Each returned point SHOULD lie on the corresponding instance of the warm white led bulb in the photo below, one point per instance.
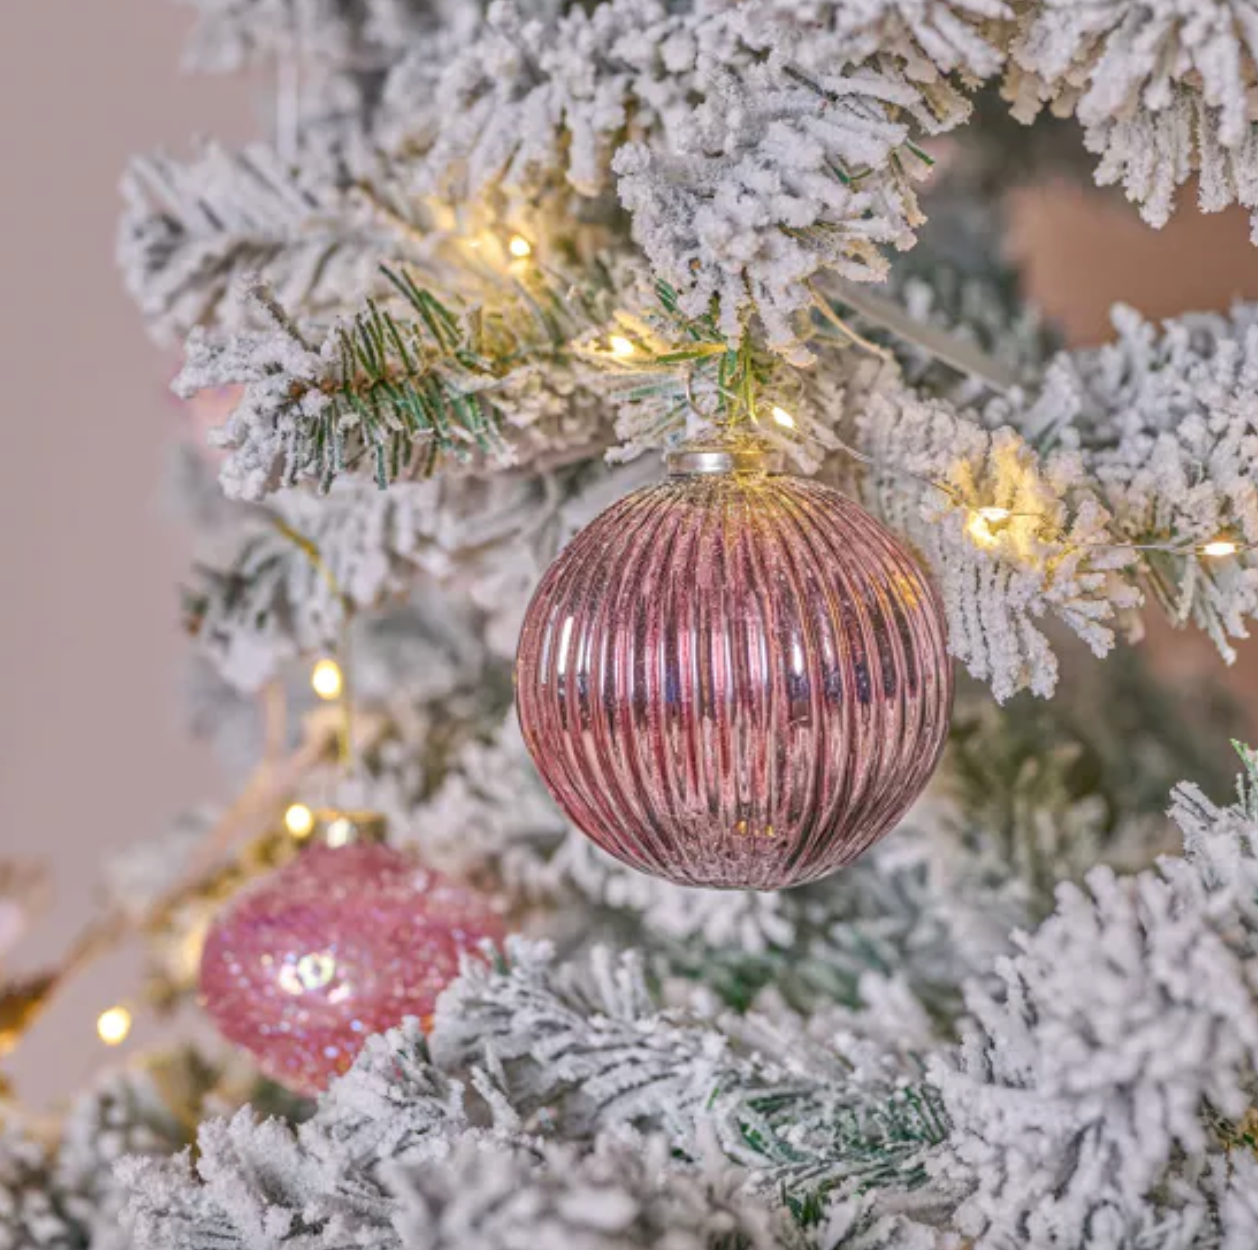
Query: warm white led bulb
(112, 1026)
(993, 516)
(519, 247)
(979, 530)
(620, 346)
(1218, 547)
(299, 820)
(340, 832)
(327, 680)
(783, 418)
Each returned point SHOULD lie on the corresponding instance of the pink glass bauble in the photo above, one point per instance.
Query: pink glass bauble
(341, 943)
(734, 679)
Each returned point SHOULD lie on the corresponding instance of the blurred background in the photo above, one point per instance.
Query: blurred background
(93, 749)
(93, 752)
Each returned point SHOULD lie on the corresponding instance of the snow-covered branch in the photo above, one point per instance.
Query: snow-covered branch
(231, 34)
(1164, 91)
(1116, 1042)
(1148, 442)
(192, 229)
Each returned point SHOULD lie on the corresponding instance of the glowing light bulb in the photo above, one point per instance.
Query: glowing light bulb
(326, 679)
(980, 531)
(783, 418)
(113, 1026)
(1218, 547)
(519, 246)
(299, 820)
(340, 832)
(993, 516)
(620, 346)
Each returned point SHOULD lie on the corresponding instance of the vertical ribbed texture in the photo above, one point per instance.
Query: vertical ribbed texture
(737, 681)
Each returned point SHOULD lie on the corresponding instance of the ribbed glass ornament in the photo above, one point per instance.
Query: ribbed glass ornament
(734, 679)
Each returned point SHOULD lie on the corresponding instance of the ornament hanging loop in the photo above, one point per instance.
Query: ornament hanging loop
(722, 454)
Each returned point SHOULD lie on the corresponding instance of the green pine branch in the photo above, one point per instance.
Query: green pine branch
(419, 385)
(394, 388)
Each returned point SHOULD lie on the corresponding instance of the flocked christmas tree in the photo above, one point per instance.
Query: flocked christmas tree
(494, 259)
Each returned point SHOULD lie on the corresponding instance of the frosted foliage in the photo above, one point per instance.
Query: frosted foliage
(1135, 423)
(754, 157)
(770, 212)
(997, 590)
(1009, 1025)
(1107, 1064)
(1086, 1077)
(272, 602)
(1151, 155)
(31, 1217)
(392, 1106)
(312, 408)
(62, 1191)
(1154, 441)
(921, 912)
(1238, 1204)
(232, 33)
(126, 1115)
(390, 1160)
(620, 1063)
(1164, 88)
(978, 310)
(262, 1183)
(587, 1047)
(931, 37)
(493, 813)
(792, 167)
(612, 1197)
(1221, 849)
(190, 229)
(854, 1224)
(1167, 424)
(485, 540)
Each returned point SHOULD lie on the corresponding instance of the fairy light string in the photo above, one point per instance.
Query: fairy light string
(23, 1001)
(331, 679)
(982, 517)
(985, 522)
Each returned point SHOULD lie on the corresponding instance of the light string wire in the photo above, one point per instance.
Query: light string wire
(24, 1000)
(957, 354)
(967, 359)
(992, 514)
(346, 739)
(981, 516)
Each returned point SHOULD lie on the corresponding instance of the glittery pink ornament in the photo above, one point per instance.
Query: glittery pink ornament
(734, 679)
(343, 942)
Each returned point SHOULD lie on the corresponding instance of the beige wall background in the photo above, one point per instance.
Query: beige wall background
(91, 751)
